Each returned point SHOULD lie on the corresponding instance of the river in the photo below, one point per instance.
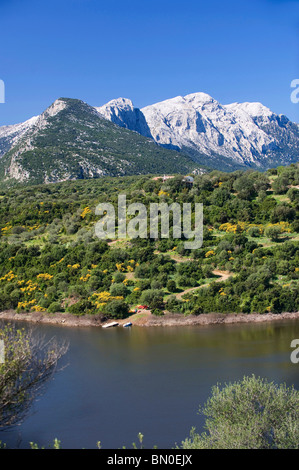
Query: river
(119, 381)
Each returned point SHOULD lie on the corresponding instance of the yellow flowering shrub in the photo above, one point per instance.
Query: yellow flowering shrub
(8, 277)
(245, 226)
(86, 211)
(30, 287)
(100, 299)
(120, 267)
(163, 193)
(30, 305)
(85, 278)
(38, 308)
(210, 253)
(44, 276)
(6, 229)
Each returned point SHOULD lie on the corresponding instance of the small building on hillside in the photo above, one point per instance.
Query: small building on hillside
(189, 180)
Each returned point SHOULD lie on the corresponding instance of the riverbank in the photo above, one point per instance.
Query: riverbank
(146, 319)
(63, 319)
(218, 318)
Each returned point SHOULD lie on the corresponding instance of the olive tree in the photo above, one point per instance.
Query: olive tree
(273, 232)
(250, 414)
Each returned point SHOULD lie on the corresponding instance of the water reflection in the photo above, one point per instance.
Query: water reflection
(122, 381)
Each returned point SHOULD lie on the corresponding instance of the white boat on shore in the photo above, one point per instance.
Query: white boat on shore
(109, 325)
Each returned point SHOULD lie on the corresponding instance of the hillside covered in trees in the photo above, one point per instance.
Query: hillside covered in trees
(51, 261)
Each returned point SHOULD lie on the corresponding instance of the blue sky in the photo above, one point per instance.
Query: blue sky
(148, 51)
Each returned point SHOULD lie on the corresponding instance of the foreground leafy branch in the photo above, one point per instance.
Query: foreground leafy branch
(30, 361)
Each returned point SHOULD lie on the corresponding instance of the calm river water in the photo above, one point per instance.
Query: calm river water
(120, 381)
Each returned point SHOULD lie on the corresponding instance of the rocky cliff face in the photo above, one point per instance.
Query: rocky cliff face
(9, 135)
(123, 113)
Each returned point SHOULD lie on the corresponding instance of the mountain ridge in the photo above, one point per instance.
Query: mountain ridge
(71, 140)
(184, 133)
(249, 134)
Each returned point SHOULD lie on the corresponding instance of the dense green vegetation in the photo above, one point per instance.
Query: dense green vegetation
(50, 259)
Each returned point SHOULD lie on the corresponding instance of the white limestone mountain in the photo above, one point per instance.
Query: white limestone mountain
(123, 113)
(71, 140)
(9, 135)
(220, 136)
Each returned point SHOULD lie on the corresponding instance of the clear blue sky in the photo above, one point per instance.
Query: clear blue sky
(148, 51)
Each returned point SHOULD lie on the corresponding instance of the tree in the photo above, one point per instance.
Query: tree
(281, 184)
(250, 414)
(282, 212)
(116, 309)
(171, 286)
(119, 290)
(153, 298)
(30, 361)
(54, 307)
(260, 181)
(273, 232)
(119, 277)
(245, 187)
(253, 232)
(220, 196)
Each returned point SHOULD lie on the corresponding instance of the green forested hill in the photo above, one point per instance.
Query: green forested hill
(71, 140)
(51, 261)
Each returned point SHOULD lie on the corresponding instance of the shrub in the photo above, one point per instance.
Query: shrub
(81, 308)
(280, 185)
(253, 232)
(17, 229)
(173, 304)
(119, 277)
(116, 309)
(153, 298)
(54, 307)
(171, 286)
(250, 414)
(293, 194)
(118, 290)
(157, 312)
(155, 284)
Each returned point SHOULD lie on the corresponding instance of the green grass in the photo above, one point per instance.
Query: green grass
(281, 198)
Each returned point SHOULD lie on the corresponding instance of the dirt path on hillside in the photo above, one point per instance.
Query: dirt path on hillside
(174, 256)
(223, 276)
